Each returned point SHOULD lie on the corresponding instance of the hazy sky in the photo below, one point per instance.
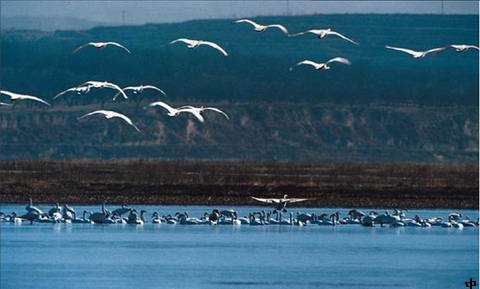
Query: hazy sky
(139, 12)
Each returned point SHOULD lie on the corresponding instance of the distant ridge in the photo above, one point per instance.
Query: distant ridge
(48, 23)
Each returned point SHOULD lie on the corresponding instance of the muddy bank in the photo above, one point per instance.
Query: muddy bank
(232, 183)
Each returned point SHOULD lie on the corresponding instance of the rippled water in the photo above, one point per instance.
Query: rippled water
(176, 256)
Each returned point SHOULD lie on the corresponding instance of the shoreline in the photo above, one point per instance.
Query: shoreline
(227, 183)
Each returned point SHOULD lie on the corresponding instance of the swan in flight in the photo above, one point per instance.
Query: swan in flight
(463, 47)
(417, 54)
(322, 33)
(101, 45)
(196, 43)
(104, 84)
(17, 97)
(196, 111)
(111, 114)
(322, 66)
(79, 90)
(280, 204)
(262, 28)
(171, 111)
(140, 89)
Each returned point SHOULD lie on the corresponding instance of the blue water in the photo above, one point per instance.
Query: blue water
(175, 256)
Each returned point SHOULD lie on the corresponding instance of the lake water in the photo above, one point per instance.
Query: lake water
(181, 256)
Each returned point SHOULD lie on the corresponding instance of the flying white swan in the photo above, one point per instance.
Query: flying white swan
(140, 89)
(196, 43)
(104, 84)
(170, 110)
(18, 97)
(78, 90)
(322, 33)
(111, 114)
(196, 111)
(322, 66)
(261, 28)
(463, 47)
(279, 204)
(101, 45)
(417, 54)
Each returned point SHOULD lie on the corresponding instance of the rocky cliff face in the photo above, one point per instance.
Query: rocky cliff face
(280, 131)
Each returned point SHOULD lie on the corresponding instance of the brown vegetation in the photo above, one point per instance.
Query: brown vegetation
(232, 183)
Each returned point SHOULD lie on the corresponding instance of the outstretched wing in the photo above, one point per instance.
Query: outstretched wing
(435, 50)
(306, 62)
(126, 119)
(103, 112)
(281, 27)
(217, 110)
(34, 98)
(116, 87)
(118, 45)
(5, 104)
(155, 88)
(342, 36)
(266, 201)
(65, 91)
(162, 104)
(295, 200)
(313, 31)
(249, 22)
(214, 45)
(184, 40)
(81, 47)
(409, 51)
(17, 96)
(195, 113)
(340, 60)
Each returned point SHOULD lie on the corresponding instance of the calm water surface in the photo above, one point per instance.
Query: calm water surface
(175, 256)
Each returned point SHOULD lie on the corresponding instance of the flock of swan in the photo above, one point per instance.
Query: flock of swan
(127, 215)
(191, 43)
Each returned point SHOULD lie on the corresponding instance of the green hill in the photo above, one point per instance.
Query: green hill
(386, 106)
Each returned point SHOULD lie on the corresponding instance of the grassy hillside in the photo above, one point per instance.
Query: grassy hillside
(384, 107)
(232, 183)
